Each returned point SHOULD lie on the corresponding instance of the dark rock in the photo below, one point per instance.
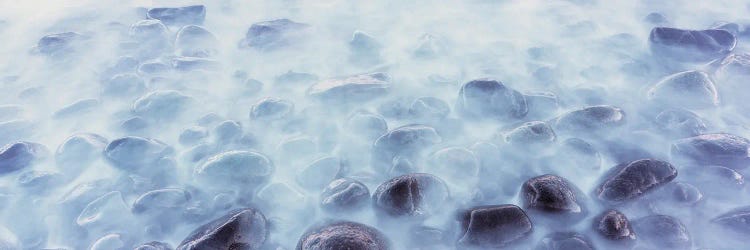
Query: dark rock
(691, 45)
(629, 181)
(413, 195)
(493, 226)
(242, 229)
(713, 149)
(553, 196)
(19, 155)
(615, 226)
(490, 98)
(343, 235)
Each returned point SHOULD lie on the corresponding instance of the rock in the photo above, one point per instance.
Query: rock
(354, 88)
(689, 89)
(663, 231)
(532, 133)
(590, 120)
(491, 99)
(344, 194)
(713, 149)
(124, 85)
(78, 151)
(406, 142)
(735, 220)
(542, 105)
(184, 63)
(235, 169)
(242, 229)
(565, 241)
(227, 131)
(59, 44)
(154, 245)
(109, 242)
(366, 125)
(343, 235)
(269, 109)
(411, 195)
(429, 108)
(194, 14)
(494, 226)
(629, 181)
(553, 196)
(161, 104)
(192, 135)
(272, 34)
(613, 225)
(20, 155)
(680, 123)
(134, 153)
(40, 182)
(691, 45)
(160, 201)
(77, 107)
(321, 172)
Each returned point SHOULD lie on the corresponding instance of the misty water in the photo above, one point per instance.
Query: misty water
(479, 124)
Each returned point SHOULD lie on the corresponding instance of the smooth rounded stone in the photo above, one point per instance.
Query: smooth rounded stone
(161, 104)
(734, 65)
(168, 200)
(235, 169)
(40, 181)
(656, 18)
(134, 153)
(542, 105)
(343, 195)
(553, 197)
(429, 47)
(629, 181)
(689, 89)
(565, 241)
(686, 194)
(193, 14)
(124, 85)
(149, 31)
(192, 135)
(489, 98)
(493, 226)
(272, 34)
(430, 108)
(413, 195)
(613, 225)
(663, 231)
(106, 212)
(154, 245)
(530, 134)
(153, 68)
(227, 131)
(269, 109)
(455, 164)
(365, 49)
(716, 176)
(19, 155)
(590, 119)
(406, 142)
(354, 88)
(691, 45)
(8, 240)
(735, 220)
(321, 172)
(134, 124)
(109, 242)
(343, 235)
(75, 108)
(395, 108)
(578, 153)
(367, 125)
(241, 229)
(78, 151)
(59, 44)
(713, 149)
(680, 123)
